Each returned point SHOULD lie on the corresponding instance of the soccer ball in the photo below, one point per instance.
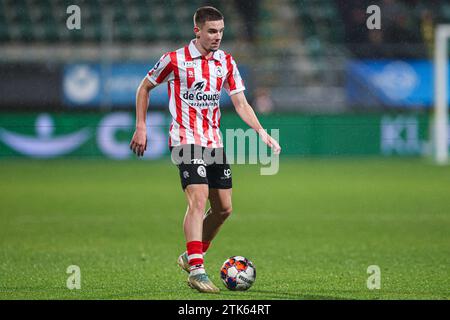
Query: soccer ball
(238, 273)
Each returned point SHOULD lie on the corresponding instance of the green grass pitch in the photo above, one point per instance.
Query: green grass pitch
(312, 230)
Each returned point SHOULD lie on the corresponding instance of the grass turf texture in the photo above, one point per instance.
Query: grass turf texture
(311, 230)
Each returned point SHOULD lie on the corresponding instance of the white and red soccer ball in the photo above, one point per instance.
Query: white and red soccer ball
(238, 273)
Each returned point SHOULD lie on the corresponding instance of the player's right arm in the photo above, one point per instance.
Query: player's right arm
(139, 141)
(161, 72)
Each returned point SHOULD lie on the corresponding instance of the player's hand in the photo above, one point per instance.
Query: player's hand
(139, 142)
(271, 142)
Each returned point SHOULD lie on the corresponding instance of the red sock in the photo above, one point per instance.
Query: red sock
(205, 245)
(195, 252)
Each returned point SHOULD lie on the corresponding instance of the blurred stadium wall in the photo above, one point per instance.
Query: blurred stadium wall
(312, 69)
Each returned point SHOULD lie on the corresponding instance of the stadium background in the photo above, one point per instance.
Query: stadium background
(356, 185)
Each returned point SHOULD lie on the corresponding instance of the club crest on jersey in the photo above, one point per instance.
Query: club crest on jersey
(219, 71)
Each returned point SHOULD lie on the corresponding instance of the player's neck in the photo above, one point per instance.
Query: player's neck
(205, 53)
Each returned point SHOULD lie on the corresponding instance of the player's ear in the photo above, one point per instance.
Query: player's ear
(197, 31)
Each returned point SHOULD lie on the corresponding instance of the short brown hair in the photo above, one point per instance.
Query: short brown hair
(207, 13)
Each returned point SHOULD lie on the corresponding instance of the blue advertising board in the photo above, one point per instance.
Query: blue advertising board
(392, 83)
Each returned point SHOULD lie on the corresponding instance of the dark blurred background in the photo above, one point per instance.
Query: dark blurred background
(299, 59)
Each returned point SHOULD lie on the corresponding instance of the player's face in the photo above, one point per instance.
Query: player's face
(210, 34)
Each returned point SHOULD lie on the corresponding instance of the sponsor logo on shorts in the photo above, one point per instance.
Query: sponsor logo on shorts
(201, 171)
(185, 174)
(227, 173)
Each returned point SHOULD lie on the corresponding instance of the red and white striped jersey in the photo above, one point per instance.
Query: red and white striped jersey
(194, 85)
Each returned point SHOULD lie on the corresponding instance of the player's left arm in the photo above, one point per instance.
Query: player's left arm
(245, 111)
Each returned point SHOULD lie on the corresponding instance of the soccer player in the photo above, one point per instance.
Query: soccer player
(196, 74)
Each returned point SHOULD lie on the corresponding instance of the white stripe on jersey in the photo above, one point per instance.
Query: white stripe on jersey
(184, 104)
(199, 119)
(209, 132)
(172, 103)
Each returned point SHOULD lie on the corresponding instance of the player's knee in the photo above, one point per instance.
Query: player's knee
(198, 204)
(226, 212)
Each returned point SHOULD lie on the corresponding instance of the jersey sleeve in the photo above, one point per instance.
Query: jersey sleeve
(233, 83)
(162, 71)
